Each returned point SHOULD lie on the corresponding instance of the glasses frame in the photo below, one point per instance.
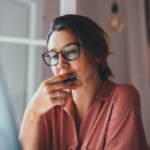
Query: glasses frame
(77, 44)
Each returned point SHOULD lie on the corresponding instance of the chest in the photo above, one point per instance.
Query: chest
(71, 133)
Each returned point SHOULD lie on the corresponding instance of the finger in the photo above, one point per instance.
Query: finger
(61, 86)
(60, 94)
(56, 79)
(59, 101)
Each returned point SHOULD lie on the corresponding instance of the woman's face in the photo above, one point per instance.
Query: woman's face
(58, 40)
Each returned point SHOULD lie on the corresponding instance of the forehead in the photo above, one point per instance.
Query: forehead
(59, 39)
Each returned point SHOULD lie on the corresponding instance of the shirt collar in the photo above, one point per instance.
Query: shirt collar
(69, 105)
(103, 94)
(105, 90)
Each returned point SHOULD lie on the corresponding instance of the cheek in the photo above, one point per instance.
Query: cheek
(54, 70)
(89, 65)
(76, 65)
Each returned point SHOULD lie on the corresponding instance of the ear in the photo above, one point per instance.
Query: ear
(97, 60)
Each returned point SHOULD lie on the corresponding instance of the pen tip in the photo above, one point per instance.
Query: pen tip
(79, 77)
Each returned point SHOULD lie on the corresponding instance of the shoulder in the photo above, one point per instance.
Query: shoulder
(120, 95)
(110, 90)
(127, 90)
(126, 95)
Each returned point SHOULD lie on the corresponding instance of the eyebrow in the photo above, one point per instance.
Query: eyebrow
(63, 46)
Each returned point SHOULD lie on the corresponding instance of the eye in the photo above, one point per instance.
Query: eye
(54, 57)
(72, 51)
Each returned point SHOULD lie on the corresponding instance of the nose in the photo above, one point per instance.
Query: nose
(63, 63)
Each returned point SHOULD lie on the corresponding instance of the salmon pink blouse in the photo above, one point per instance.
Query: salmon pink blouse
(112, 122)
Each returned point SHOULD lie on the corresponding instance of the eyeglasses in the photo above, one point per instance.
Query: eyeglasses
(69, 52)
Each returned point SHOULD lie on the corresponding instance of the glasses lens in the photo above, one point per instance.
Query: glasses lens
(71, 52)
(51, 58)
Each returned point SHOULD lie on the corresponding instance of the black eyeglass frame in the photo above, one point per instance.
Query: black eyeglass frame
(77, 44)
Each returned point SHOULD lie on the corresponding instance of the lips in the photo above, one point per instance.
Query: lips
(69, 74)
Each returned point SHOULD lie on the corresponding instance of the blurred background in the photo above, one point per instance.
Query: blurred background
(24, 25)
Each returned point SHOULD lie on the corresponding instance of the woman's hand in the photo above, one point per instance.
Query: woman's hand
(46, 96)
(43, 100)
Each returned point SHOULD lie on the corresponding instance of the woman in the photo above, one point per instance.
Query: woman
(89, 113)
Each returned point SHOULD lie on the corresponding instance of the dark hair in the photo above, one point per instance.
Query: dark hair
(90, 35)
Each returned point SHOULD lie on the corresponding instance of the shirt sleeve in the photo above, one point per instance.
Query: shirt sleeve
(42, 139)
(125, 129)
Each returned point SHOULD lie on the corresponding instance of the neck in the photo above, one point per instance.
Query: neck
(83, 96)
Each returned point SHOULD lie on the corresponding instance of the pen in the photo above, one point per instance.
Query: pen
(70, 80)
